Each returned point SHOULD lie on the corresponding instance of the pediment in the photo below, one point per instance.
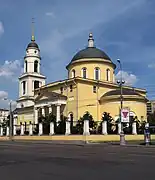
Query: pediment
(49, 96)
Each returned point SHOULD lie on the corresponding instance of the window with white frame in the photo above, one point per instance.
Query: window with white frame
(84, 72)
(24, 87)
(73, 73)
(108, 74)
(36, 66)
(97, 73)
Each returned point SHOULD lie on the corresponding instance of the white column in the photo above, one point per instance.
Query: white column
(68, 129)
(21, 129)
(40, 129)
(7, 131)
(30, 130)
(104, 127)
(51, 128)
(86, 128)
(134, 128)
(14, 120)
(119, 128)
(58, 113)
(14, 130)
(43, 111)
(1, 131)
(50, 109)
(36, 116)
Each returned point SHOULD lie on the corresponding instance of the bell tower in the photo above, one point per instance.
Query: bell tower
(31, 78)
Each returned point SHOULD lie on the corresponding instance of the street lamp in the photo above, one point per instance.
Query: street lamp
(121, 82)
(10, 120)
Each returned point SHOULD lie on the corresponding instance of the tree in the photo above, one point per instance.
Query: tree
(92, 123)
(151, 118)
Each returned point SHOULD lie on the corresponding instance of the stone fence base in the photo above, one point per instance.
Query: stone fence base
(97, 138)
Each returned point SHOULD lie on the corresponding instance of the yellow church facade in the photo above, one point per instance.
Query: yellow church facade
(90, 86)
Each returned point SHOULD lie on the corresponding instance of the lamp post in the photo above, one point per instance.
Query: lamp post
(121, 82)
(10, 120)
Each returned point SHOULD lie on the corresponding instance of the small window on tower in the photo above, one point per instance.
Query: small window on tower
(35, 66)
(36, 84)
(61, 90)
(71, 88)
(25, 66)
(35, 52)
(24, 87)
(94, 89)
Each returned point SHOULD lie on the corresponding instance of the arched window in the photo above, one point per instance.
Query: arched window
(25, 66)
(84, 73)
(35, 66)
(97, 73)
(24, 87)
(108, 74)
(73, 73)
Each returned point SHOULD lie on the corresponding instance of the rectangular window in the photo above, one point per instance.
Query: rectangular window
(71, 88)
(24, 87)
(94, 89)
(61, 90)
(36, 84)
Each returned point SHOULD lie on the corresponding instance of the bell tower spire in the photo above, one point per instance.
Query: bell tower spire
(32, 77)
(32, 27)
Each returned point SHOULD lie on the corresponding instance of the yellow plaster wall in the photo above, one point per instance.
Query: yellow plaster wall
(139, 108)
(90, 65)
(25, 117)
(88, 101)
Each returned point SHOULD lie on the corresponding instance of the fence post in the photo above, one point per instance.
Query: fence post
(21, 129)
(51, 128)
(134, 128)
(7, 131)
(40, 129)
(86, 127)
(119, 127)
(30, 130)
(104, 127)
(14, 130)
(1, 131)
(68, 130)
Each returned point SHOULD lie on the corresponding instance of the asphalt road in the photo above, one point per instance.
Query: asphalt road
(34, 161)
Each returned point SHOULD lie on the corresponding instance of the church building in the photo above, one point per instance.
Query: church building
(90, 86)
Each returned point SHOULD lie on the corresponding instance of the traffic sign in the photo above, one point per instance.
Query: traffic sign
(125, 114)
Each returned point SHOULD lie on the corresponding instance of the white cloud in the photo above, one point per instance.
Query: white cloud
(1, 28)
(151, 65)
(129, 78)
(11, 69)
(5, 101)
(3, 94)
(51, 14)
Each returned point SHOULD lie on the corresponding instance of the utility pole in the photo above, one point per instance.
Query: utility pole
(121, 82)
(11, 122)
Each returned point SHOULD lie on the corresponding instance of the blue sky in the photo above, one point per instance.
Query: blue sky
(123, 29)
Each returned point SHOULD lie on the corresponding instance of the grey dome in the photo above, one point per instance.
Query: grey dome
(124, 92)
(33, 44)
(90, 52)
